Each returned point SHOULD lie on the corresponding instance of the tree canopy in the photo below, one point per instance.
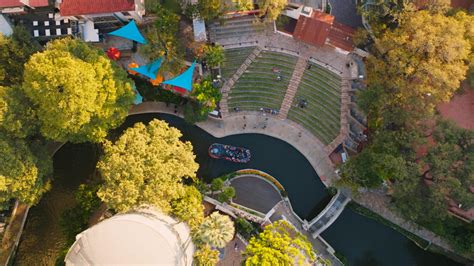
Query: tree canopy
(424, 57)
(271, 9)
(189, 207)
(211, 9)
(162, 39)
(146, 165)
(213, 55)
(14, 53)
(206, 256)
(216, 230)
(17, 117)
(23, 171)
(279, 244)
(77, 92)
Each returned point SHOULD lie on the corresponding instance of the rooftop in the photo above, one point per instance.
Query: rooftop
(321, 29)
(144, 237)
(18, 3)
(86, 7)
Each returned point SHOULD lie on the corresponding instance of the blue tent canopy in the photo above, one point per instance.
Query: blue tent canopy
(138, 97)
(185, 80)
(129, 31)
(150, 70)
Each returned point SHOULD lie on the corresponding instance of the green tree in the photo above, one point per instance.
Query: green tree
(217, 184)
(14, 53)
(243, 227)
(77, 92)
(216, 230)
(271, 9)
(211, 9)
(206, 94)
(23, 171)
(243, 5)
(227, 194)
(450, 164)
(206, 256)
(195, 112)
(189, 207)
(17, 117)
(213, 55)
(146, 165)
(279, 244)
(423, 59)
(162, 40)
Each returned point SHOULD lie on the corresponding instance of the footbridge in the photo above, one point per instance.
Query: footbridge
(332, 211)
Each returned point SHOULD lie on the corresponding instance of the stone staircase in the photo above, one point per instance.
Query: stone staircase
(234, 28)
(224, 109)
(344, 131)
(292, 87)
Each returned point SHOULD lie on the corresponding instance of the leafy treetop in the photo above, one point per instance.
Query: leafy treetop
(146, 165)
(279, 244)
(23, 171)
(77, 92)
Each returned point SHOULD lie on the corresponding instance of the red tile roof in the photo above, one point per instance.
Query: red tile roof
(311, 30)
(321, 29)
(17, 3)
(38, 3)
(341, 36)
(10, 3)
(86, 7)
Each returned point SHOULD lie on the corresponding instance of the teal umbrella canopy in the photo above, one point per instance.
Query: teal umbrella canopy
(185, 80)
(129, 31)
(138, 97)
(150, 70)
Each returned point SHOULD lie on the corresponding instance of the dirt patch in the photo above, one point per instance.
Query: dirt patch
(460, 109)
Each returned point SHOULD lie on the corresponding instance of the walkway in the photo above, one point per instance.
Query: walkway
(329, 215)
(240, 123)
(12, 234)
(293, 87)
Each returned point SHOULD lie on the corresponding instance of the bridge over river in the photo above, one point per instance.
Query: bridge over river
(326, 217)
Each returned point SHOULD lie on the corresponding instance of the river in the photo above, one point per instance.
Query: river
(362, 240)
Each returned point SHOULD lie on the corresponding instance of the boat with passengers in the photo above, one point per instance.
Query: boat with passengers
(229, 153)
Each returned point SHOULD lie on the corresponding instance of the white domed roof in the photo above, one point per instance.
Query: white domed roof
(134, 238)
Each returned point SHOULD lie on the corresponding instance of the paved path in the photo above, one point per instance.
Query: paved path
(255, 193)
(292, 87)
(286, 130)
(379, 203)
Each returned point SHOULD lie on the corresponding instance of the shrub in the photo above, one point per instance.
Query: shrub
(217, 184)
(226, 195)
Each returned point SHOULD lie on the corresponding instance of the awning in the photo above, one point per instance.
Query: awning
(150, 70)
(185, 80)
(138, 98)
(129, 31)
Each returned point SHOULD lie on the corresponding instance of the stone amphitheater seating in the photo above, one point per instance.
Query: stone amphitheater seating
(259, 87)
(235, 27)
(320, 88)
(233, 59)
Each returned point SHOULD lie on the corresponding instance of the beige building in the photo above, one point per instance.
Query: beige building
(139, 238)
